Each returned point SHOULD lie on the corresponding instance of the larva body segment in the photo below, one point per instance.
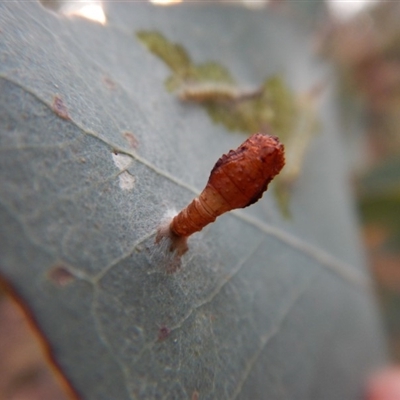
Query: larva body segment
(237, 180)
(205, 92)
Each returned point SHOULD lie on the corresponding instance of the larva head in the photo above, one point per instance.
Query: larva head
(271, 153)
(242, 176)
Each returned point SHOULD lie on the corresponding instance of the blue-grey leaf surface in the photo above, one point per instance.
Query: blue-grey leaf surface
(263, 307)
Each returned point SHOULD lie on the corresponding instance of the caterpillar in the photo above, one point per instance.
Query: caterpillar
(237, 180)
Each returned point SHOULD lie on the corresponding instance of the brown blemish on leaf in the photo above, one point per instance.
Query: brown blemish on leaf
(195, 395)
(60, 275)
(109, 83)
(131, 139)
(60, 108)
(163, 333)
(212, 317)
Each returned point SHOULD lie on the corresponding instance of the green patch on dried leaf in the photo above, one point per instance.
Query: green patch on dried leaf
(297, 141)
(174, 55)
(177, 59)
(283, 105)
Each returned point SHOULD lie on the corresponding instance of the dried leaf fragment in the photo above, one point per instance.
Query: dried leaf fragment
(298, 141)
(213, 87)
(163, 333)
(131, 139)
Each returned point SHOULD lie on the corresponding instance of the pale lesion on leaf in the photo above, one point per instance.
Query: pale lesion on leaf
(270, 108)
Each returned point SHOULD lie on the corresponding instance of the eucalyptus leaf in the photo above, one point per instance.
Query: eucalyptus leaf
(95, 153)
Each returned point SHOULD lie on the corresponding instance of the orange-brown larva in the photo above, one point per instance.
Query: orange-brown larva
(237, 180)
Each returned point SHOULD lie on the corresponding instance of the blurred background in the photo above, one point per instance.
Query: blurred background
(362, 40)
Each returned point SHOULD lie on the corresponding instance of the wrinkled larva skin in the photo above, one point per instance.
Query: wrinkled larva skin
(237, 180)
